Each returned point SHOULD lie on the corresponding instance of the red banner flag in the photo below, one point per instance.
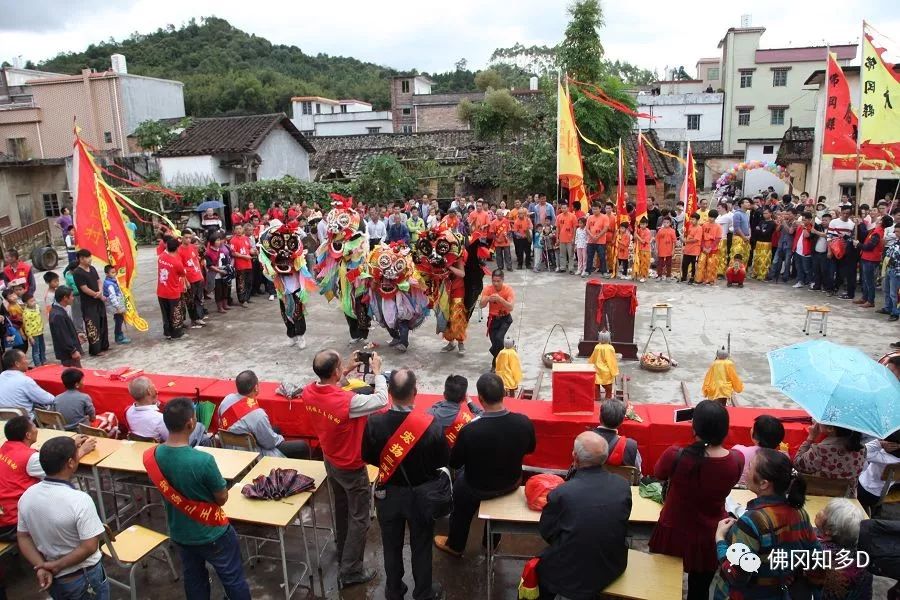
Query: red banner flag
(689, 187)
(640, 207)
(840, 120)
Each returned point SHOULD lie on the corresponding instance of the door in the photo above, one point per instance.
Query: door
(26, 209)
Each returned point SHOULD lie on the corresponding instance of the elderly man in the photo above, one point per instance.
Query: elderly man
(585, 530)
(338, 418)
(144, 418)
(241, 413)
(18, 390)
(622, 451)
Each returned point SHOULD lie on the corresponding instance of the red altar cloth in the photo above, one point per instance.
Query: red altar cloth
(555, 433)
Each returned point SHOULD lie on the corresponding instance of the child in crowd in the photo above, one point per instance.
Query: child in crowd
(605, 364)
(642, 240)
(767, 432)
(508, 367)
(549, 246)
(52, 281)
(623, 245)
(693, 236)
(581, 246)
(665, 248)
(13, 331)
(722, 381)
(537, 244)
(70, 244)
(33, 328)
(13, 306)
(115, 302)
(737, 272)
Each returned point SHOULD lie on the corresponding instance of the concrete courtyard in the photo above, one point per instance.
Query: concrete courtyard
(759, 317)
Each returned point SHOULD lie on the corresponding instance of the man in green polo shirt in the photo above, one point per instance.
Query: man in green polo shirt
(194, 476)
(415, 224)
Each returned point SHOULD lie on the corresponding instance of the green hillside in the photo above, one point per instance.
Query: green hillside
(228, 71)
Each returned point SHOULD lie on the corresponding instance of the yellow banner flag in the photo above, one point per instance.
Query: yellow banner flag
(568, 155)
(879, 112)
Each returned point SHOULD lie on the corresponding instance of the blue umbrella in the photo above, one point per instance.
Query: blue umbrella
(838, 386)
(213, 204)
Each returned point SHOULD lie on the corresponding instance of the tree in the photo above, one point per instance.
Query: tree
(489, 79)
(498, 116)
(536, 60)
(152, 135)
(461, 64)
(581, 52)
(383, 179)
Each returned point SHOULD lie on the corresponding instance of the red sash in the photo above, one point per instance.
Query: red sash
(237, 411)
(401, 443)
(618, 452)
(463, 418)
(205, 513)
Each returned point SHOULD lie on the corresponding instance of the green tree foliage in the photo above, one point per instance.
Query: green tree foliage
(384, 179)
(227, 71)
(153, 135)
(581, 52)
(629, 73)
(496, 118)
(604, 126)
(460, 80)
(489, 78)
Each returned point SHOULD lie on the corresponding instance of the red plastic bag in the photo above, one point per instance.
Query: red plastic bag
(537, 488)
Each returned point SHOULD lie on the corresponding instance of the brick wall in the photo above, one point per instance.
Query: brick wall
(438, 117)
(399, 101)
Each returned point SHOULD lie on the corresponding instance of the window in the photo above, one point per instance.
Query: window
(768, 149)
(107, 137)
(318, 108)
(343, 108)
(746, 79)
(713, 74)
(308, 132)
(16, 148)
(407, 111)
(51, 205)
(306, 108)
(779, 77)
(407, 129)
(693, 122)
(777, 116)
(373, 129)
(743, 117)
(404, 86)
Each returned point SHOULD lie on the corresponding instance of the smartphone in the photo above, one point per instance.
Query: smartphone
(684, 414)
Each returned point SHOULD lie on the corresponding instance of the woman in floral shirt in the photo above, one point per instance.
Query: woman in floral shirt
(840, 455)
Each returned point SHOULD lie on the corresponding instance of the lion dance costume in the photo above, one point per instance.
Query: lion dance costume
(435, 252)
(341, 265)
(396, 293)
(283, 261)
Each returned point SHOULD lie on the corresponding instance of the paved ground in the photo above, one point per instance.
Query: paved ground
(759, 317)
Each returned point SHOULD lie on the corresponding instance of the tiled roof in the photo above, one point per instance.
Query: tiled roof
(796, 145)
(701, 149)
(663, 166)
(456, 98)
(230, 135)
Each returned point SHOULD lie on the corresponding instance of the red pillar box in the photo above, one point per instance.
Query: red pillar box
(574, 392)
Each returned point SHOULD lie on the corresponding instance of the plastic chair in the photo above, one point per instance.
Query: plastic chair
(238, 441)
(628, 473)
(890, 476)
(139, 438)
(825, 486)
(10, 413)
(50, 419)
(93, 431)
(129, 548)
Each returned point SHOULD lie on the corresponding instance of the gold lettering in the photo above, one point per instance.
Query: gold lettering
(204, 514)
(407, 437)
(396, 450)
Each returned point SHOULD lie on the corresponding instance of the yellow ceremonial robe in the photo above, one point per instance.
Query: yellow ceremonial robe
(721, 380)
(604, 360)
(508, 368)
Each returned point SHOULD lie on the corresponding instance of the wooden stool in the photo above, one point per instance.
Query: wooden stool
(661, 311)
(817, 315)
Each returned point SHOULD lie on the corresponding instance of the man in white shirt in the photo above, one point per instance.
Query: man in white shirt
(376, 229)
(18, 390)
(59, 529)
(145, 419)
(845, 267)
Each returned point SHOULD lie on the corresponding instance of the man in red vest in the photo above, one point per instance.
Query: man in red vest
(622, 451)
(338, 417)
(18, 272)
(20, 468)
(870, 254)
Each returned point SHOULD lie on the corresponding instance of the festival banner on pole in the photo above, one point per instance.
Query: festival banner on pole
(879, 125)
(640, 206)
(100, 226)
(568, 156)
(840, 120)
(688, 193)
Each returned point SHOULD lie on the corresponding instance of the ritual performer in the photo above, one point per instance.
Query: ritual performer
(709, 249)
(477, 253)
(605, 364)
(338, 418)
(623, 247)
(440, 257)
(283, 262)
(598, 225)
(722, 380)
(611, 231)
(454, 412)
(193, 293)
(509, 367)
(341, 263)
(500, 300)
(622, 450)
(642, 238)
(243, 265)
(665, 249)
(194, 491)
(521, 232)
(566, 223)
(501, 233)
(422, 452)
(724, 220)
(740, 224)
(241, 413)
(18, 273)
(170, 285)
(479, 220)
(93, 310)
(396, 292)
(737, 272)
(762, 248)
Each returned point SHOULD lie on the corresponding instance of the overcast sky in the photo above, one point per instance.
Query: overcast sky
(432, 35)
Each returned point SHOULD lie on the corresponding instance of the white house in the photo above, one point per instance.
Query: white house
(314, 115)
(682, 112)
(232, 150)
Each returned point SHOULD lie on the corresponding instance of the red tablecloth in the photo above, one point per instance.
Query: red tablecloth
(554, 433)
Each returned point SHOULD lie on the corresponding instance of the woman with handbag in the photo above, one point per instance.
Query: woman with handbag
(697, 479)
(773, 522)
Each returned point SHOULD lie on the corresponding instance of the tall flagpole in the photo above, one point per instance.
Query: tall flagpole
(824, 114)
(558, 109)
(859, 129)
